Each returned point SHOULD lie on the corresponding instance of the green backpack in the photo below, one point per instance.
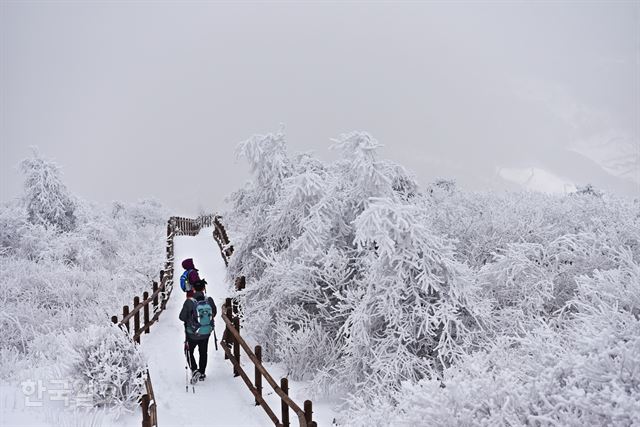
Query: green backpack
(202, 319)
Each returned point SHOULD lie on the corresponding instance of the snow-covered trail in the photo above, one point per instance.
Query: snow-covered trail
(220, 400)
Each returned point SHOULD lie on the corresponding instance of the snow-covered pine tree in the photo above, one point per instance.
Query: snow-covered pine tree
(47, 200)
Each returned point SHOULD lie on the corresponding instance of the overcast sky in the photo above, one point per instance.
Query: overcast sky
(147, 99)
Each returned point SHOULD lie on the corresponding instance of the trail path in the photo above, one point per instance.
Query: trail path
(221, 400)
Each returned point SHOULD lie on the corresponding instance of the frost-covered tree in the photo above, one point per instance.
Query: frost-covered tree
(335, 259)
(588, 190)
(409, 312)
(269, 162)
(47, 200)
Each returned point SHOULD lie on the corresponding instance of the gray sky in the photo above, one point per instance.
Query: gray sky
(150, 99)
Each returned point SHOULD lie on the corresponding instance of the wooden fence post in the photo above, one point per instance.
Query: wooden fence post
(240, 282)
(308, 412)
(125, 313)
(146, 419)
(236, 346)
(145, 297)
(258, 375)
(284, 385)
(163, 303)
(155, 298)
(114, 319)
(227, 337)
(136, 320)
(227, 304)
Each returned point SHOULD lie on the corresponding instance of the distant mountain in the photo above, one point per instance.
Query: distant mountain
(614, 152)
(610, 164)
(536, 179)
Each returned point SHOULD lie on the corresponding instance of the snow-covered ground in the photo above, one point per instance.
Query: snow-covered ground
(222, 399)
(42, 406)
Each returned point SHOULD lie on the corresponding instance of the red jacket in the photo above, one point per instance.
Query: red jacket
(193, 276)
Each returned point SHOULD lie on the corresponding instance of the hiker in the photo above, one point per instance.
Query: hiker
(189, 277)
(197, 314)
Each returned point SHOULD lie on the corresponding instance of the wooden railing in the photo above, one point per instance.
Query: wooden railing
(232, 341)
(148, 405)
(146, 312)
(189, 226)
(221, 238)
(157, 300)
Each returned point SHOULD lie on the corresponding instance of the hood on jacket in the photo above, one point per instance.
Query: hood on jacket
(193, 276)
(187, 264)
(198, 296)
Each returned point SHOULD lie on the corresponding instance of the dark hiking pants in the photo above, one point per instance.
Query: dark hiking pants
(202, 345)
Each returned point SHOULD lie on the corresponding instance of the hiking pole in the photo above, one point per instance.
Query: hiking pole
(215, 339)
(186, 368)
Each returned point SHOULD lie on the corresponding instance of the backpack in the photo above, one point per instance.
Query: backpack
(184, 281)
(201, 319)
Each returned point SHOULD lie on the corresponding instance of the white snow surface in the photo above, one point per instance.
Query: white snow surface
(222, 400)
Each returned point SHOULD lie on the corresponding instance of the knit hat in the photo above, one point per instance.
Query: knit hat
(187, 264)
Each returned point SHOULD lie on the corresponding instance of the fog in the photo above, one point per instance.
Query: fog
(144, 99)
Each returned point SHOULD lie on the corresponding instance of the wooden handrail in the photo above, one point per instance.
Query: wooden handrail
(148, 404)
(147, 301)
(302, 416)
(222, 239)
(253, 390)
(258, 364)
(232, 336)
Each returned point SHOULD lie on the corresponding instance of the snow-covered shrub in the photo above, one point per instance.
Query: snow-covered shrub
(47, 199)
(58, 279)
(11, 222)
(104, 364)
(75, 278)
(442, 308)
(581, 371)
(302, 343)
